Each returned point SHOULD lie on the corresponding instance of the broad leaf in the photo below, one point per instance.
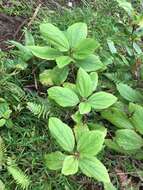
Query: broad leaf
(2, 122)
(70, 165)
(128, 139)
(91, 142)
(84, 107)
(137, 117)
(80, 129)
(62, 133)
(85, 48)
(90, 63)
(62, 61)
(45, 52)
(76, 33)
(117, 117)
(101, 100)
(55, 36)
(92, 167)
(54, 160)
(63, 96)
(53, 76)
(83, 83)
(129, 93)
(94, 79)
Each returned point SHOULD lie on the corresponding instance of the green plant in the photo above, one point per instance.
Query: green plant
(82, 93)
(82, 155)
(128, 139)
(66, 47)
(18, 175)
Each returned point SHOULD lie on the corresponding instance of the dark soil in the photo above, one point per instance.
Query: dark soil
(10, 29)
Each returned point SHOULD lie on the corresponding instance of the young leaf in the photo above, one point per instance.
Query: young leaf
(85, 48)
(128, 139)
(137, 117)
(55, 36)
(92, 167)
(79, 130)
(45, 52)
(84, 107)
(54, 160)
(62, 61)
(76, 33)
(70, 165)
(83, 83)
(94, 79)
(90, 143)
(90, 63)
(101, 100)
(62, 133)
(63, 96)
(117, 117)
(129, 93)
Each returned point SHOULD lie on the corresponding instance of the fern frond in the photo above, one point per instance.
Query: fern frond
(39, 110)
(19, 176)
(118, 77)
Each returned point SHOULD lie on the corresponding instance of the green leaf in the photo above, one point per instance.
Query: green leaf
(80, 129)
(83, 83)
(90, 63)
(91, 142)
(62, 61)
(29, 40)
(77, 117)
(54, 76)
(127, 6)
(137, 117)
(24, 51)
(63, 96)
(71, 86)
(94, 79)
(129, 93)
(59, 75)
(84, 107)
(55, 36)
(45, 52)
(70, 165)
(85, 48)
(92, 167)
(2, 186)
(54, 160)
(128, 139)
(101, 100)
(2, 122)
(117, 117)
(46, 77)
(76, 33)
(109, 186)
(111, 46)
(62, 133)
